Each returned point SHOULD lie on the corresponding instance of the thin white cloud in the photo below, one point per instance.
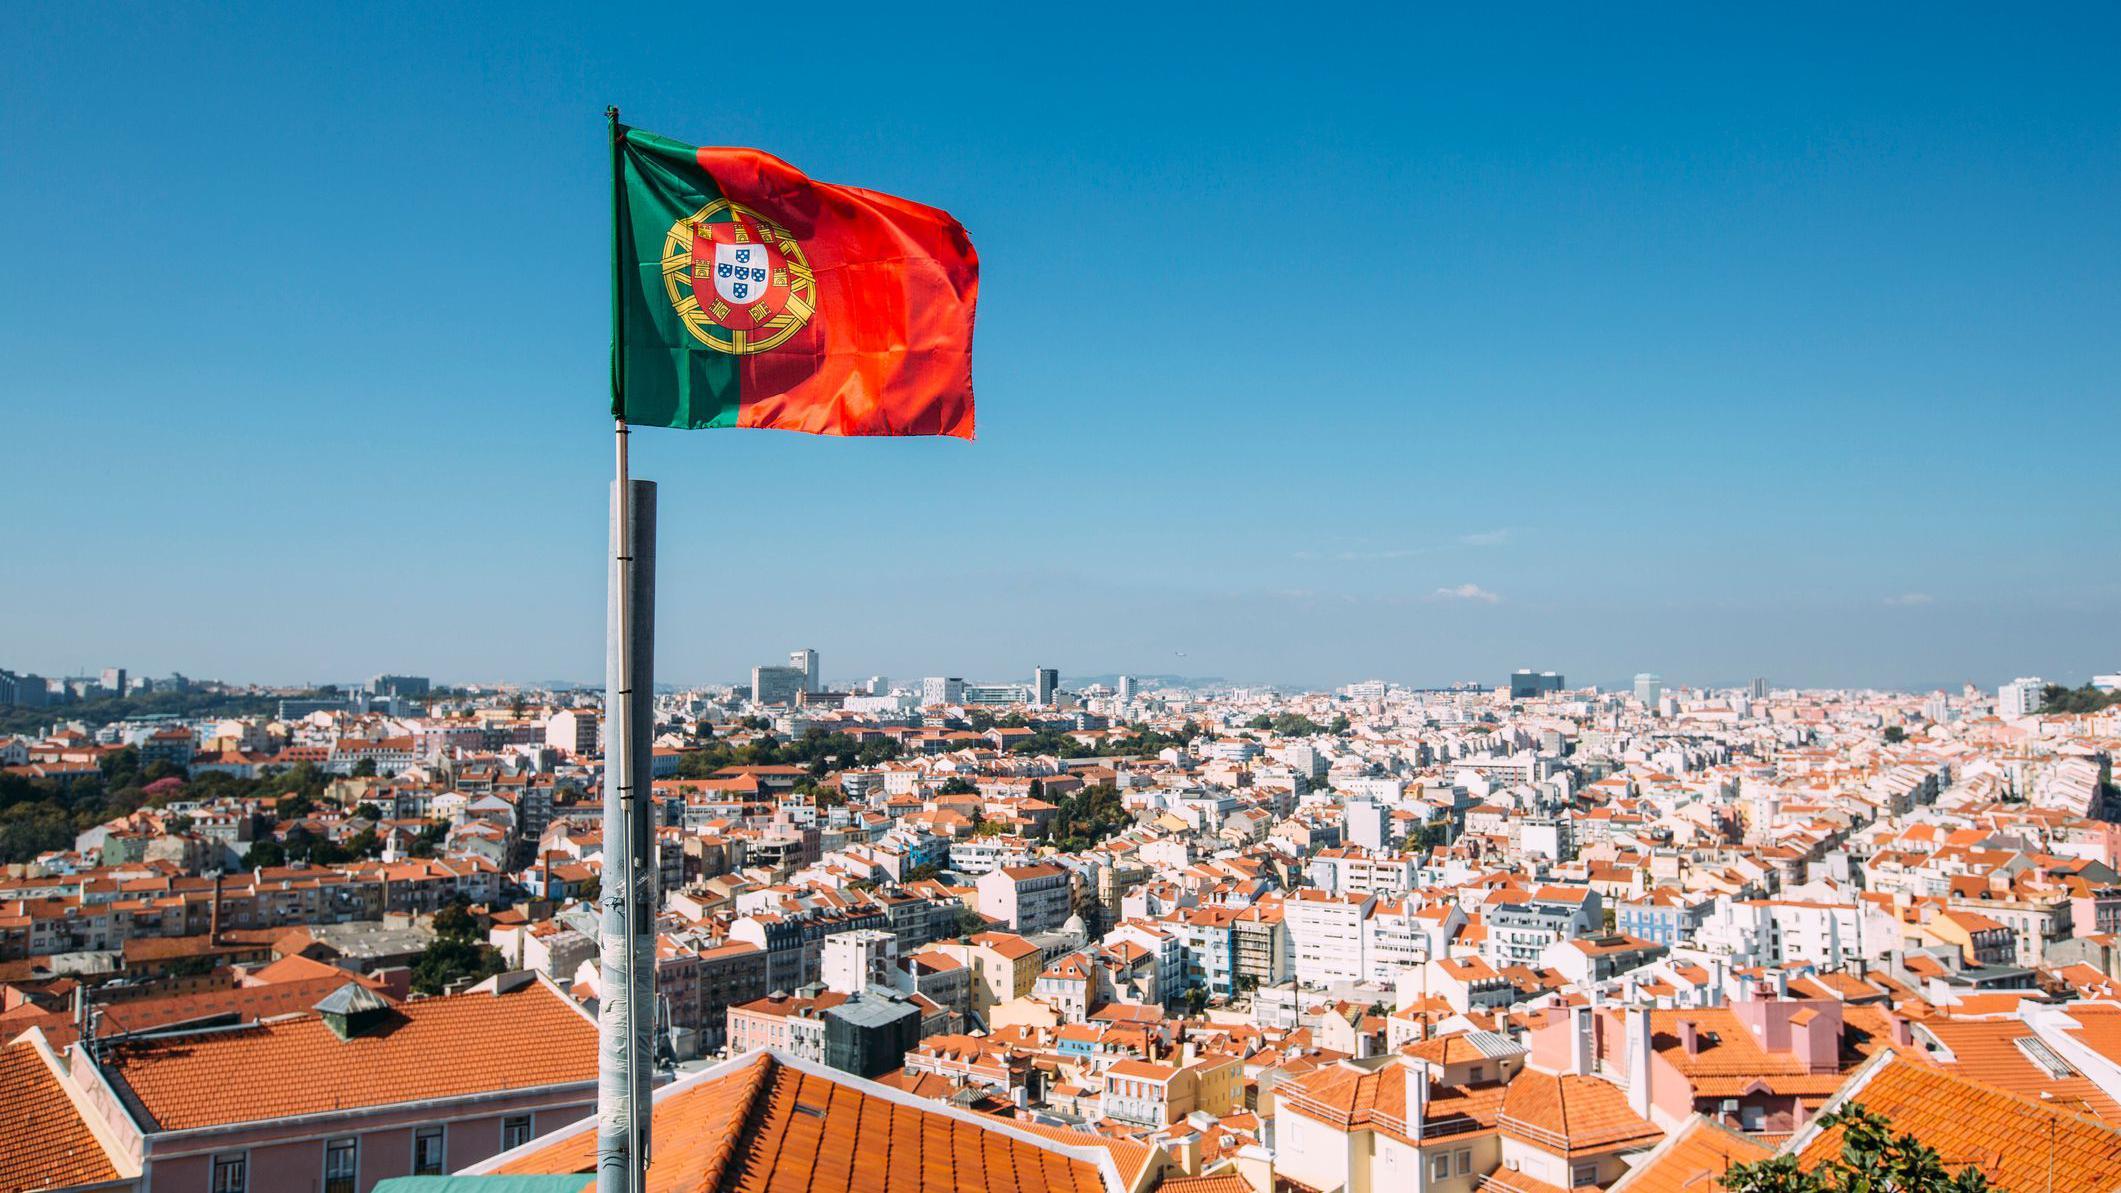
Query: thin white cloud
(1392, 553)
(1466, 592)
(1486, 538)
(1908, 600)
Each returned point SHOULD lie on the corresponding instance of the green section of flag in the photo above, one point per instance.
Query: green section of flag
(662, 375)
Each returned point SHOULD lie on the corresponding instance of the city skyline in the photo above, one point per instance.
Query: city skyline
(793, 677)
(1635, 357)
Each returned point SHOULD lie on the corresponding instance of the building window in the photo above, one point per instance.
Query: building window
(1464, 1156)
(515, 1131)
(1440, 1167)
(339, 1163)
(1583, 1174)
(231, 1173)
(427, 1152)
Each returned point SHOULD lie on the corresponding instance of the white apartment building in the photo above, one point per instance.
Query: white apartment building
(1326, 936)
(1395, 941)
(860, 960)
(573, 732)
(1028, 898)
(1352, 870)
(2020, 697)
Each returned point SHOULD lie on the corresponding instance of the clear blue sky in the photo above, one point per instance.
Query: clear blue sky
(1709, 344)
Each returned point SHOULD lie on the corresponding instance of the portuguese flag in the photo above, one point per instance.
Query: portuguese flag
(747, 295)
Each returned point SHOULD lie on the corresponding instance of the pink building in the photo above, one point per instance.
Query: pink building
(335, 1100)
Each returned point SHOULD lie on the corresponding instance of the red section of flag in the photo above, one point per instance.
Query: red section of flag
(889, 349)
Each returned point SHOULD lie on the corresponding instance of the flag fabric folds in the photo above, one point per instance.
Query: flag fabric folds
(748, 295)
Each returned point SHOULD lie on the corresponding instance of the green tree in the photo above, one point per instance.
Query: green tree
(1047, 741)
(1894, 735)
(121, 768)
(450, 959)
(958, 785)
(454, 919)
(27, 830)
(264, 852)
(1872, 1160)
(102, 710)
(2055, 698)
(1083, 818)
(817, 750)
(430, 838)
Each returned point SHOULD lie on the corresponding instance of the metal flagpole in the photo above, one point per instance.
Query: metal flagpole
(622, 1073)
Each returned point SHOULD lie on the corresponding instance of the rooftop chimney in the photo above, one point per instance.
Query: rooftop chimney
(1581, 1045)
(1417, 1096)
(213, 913)
(1690, 1037)
(1639, 1061)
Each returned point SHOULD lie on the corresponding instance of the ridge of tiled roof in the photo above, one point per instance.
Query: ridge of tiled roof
(2016, 1142)
(45, 1142)
(1700, 1147)
(1574, 1112)
(766, 1123)
(527, 1037)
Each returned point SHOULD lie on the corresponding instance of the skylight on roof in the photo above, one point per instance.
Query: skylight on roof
(2037, 1051)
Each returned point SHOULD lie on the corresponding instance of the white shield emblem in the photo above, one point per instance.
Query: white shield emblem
(740, 272)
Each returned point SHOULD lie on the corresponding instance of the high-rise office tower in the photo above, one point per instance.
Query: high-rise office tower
(1526, 684)
(1757, 689)
(805, 661)
(1045, 681)
(776, 685)
(1648, 687)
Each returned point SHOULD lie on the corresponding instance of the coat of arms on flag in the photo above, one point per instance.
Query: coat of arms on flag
(739, 282)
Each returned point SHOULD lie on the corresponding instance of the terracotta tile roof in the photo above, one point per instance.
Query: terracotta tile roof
(1460, 1048)
(43, 1141)
(2017, 1143)
(1700, 1149)
(2099, 1028)
(1571, 1114)
(1502, 1180)
(1730, 1059)
(1992, 1051)
(463, 1044)
(1354, 1099)
(760, 1124)
(1130, 1156)
(1228, 1182)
